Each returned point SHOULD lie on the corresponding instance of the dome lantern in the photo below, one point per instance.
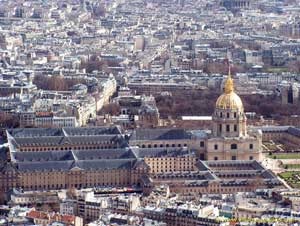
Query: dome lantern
(229, 100)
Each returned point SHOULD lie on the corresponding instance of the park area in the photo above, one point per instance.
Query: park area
(292, 178)
(291, 166)
(284, 155)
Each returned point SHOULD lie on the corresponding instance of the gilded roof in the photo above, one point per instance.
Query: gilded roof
(229, 99)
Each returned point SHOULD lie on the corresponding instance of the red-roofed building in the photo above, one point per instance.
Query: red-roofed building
(43, 218)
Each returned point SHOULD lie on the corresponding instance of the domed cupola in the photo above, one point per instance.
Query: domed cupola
(229, 119)
(229, 99)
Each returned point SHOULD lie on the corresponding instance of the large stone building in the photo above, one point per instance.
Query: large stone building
(229, 139)
(289, 93)
(67, 158)
(54, 159)
(236, 4)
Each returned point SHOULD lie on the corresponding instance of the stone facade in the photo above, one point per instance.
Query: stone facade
(230, 139)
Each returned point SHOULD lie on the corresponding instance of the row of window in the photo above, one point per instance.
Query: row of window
(79, 185)
(233, 146)
(68, 148)
(228, 115)
(228, 128)
(163, 145)
(233, 158)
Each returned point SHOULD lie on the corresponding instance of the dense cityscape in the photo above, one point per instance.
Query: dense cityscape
(150, 112)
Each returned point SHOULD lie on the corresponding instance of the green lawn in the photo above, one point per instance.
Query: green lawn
(291, 166)
(285, 156)
(277, 69)
(292, 178)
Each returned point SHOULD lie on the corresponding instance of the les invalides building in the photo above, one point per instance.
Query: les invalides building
(223, 160)
(230, 138)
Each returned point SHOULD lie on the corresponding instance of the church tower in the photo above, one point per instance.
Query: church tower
(229, 138)
(229, 119)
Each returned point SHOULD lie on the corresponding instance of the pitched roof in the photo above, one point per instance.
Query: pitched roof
(70, 131)
(42, 156)
(100, 164)
(160, 152)
(160, 134)
(75, 140)
(294, 131)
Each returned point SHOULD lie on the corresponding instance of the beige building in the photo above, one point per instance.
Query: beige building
(230, 139)
(102, 156)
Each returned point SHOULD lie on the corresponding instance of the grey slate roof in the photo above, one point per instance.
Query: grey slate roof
(62, 155)
(103, 154)
(187, 176)
(92, 131)
(294, 131)
(235, 163)
(159, 152)
(3, 155)
(44, 166)
(67, 131)
(74, 140)
(37, 141)
(42, 156)
(69, 165)
(273, 128)
(202, 166)
(160, 134)
(107, 164)
(34, 132)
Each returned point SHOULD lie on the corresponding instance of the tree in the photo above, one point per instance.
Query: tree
(57, 83)
(95, 64)
(111, 109)
(8, 120)
(294, 66)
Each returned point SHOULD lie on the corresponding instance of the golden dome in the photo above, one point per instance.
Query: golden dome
(229, 99)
